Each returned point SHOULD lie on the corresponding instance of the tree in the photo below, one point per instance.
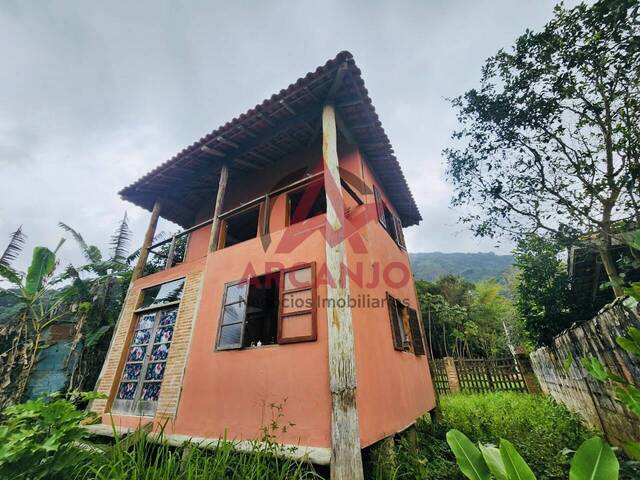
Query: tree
(35, 306)
(550, 141)
(98, 289)
(542, 291)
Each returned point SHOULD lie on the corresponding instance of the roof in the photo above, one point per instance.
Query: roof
(279, 125)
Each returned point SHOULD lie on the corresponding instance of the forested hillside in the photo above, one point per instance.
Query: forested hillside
(470, 266)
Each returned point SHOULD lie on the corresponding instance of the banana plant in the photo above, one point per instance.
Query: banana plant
(594, 460)
(36, 308)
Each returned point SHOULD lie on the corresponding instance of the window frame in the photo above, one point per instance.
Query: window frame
(313, 336)
(404, 326)
(279, 339)
(137, 406)
(305, 185)
(222, 235)
(397, 235)
(242, 323)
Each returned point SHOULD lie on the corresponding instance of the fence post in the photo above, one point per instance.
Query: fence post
(452, 374)
(528, 375)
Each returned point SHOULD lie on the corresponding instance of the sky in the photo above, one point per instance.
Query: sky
(95, 94)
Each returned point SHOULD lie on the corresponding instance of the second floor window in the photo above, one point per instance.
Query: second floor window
(239, 227)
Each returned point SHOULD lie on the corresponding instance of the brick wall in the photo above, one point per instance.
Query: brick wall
(176, 362)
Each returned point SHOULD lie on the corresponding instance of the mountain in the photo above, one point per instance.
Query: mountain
(471, 266)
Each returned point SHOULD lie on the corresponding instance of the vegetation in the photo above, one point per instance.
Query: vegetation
(542, 294)
(473, 267)
(549, 141)
(42, 440)
(89, 296)
(467, 320)
(537, 427)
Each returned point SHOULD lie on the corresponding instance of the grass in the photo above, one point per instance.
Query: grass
(541, 430)
(152, 461)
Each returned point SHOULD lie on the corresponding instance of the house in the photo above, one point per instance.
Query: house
(292, 283)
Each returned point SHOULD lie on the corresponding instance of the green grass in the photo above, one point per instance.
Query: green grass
(540, 429)
(152, 461)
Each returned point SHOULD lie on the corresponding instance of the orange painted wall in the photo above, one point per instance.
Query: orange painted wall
(231, 391)
(393, 387)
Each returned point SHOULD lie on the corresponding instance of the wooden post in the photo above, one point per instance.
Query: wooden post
(528, 375)
(217, 209)
(452, 374)
(346, 457)
(172, 250)
(148, 240)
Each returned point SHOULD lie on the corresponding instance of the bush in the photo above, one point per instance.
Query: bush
(43, 439)
(540, 429)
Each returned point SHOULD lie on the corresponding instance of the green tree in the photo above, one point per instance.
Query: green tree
(97, 288)
(550, 140)
(35, 306)
(542, 290)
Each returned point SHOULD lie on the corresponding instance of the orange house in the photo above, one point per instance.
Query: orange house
(291, 283)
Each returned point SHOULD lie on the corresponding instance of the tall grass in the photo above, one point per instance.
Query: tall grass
(150, 460)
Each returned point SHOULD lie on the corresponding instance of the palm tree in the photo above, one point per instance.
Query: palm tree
(35, 308)
(98, 288)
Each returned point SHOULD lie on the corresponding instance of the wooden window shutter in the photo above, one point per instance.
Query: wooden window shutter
(399, 232)
(416, 332)
(394, 317)
(297, 317)
(379, 206)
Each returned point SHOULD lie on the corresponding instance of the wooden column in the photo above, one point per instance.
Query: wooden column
(346, 458)
(148, 240)
(217, 209)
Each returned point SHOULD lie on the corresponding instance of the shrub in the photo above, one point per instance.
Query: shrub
(43, 439)
(540, 429)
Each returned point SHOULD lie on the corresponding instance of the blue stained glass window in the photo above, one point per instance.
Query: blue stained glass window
(132, 371)
(160, 352)
(136, 354)
(164, 334)
(141, 337)
(127, 390)
(155, 371)
(168, 317)
(150, 391)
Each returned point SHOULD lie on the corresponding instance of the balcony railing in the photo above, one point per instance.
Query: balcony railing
(171, 251)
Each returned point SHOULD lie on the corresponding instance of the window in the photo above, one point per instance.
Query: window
(405, 327)
(269, 309)
(146, 358)
(239, 227)
(162, 294)
(389, 221)
(306, 202)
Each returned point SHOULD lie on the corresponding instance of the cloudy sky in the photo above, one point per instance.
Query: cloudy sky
(94, 94)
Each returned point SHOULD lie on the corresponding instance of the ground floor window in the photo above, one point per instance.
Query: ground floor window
(269, 309)
(146, 358)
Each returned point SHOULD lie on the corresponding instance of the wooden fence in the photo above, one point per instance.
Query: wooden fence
(481, 375)
(593, 400)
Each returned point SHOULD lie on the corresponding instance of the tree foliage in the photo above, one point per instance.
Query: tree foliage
(542, 294)
(468, 320)
(550, 140)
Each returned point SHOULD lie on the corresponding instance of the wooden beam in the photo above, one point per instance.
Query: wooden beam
(212, 151)
(217, 210)
(337, 81)
(148, 239)
(346, 457)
